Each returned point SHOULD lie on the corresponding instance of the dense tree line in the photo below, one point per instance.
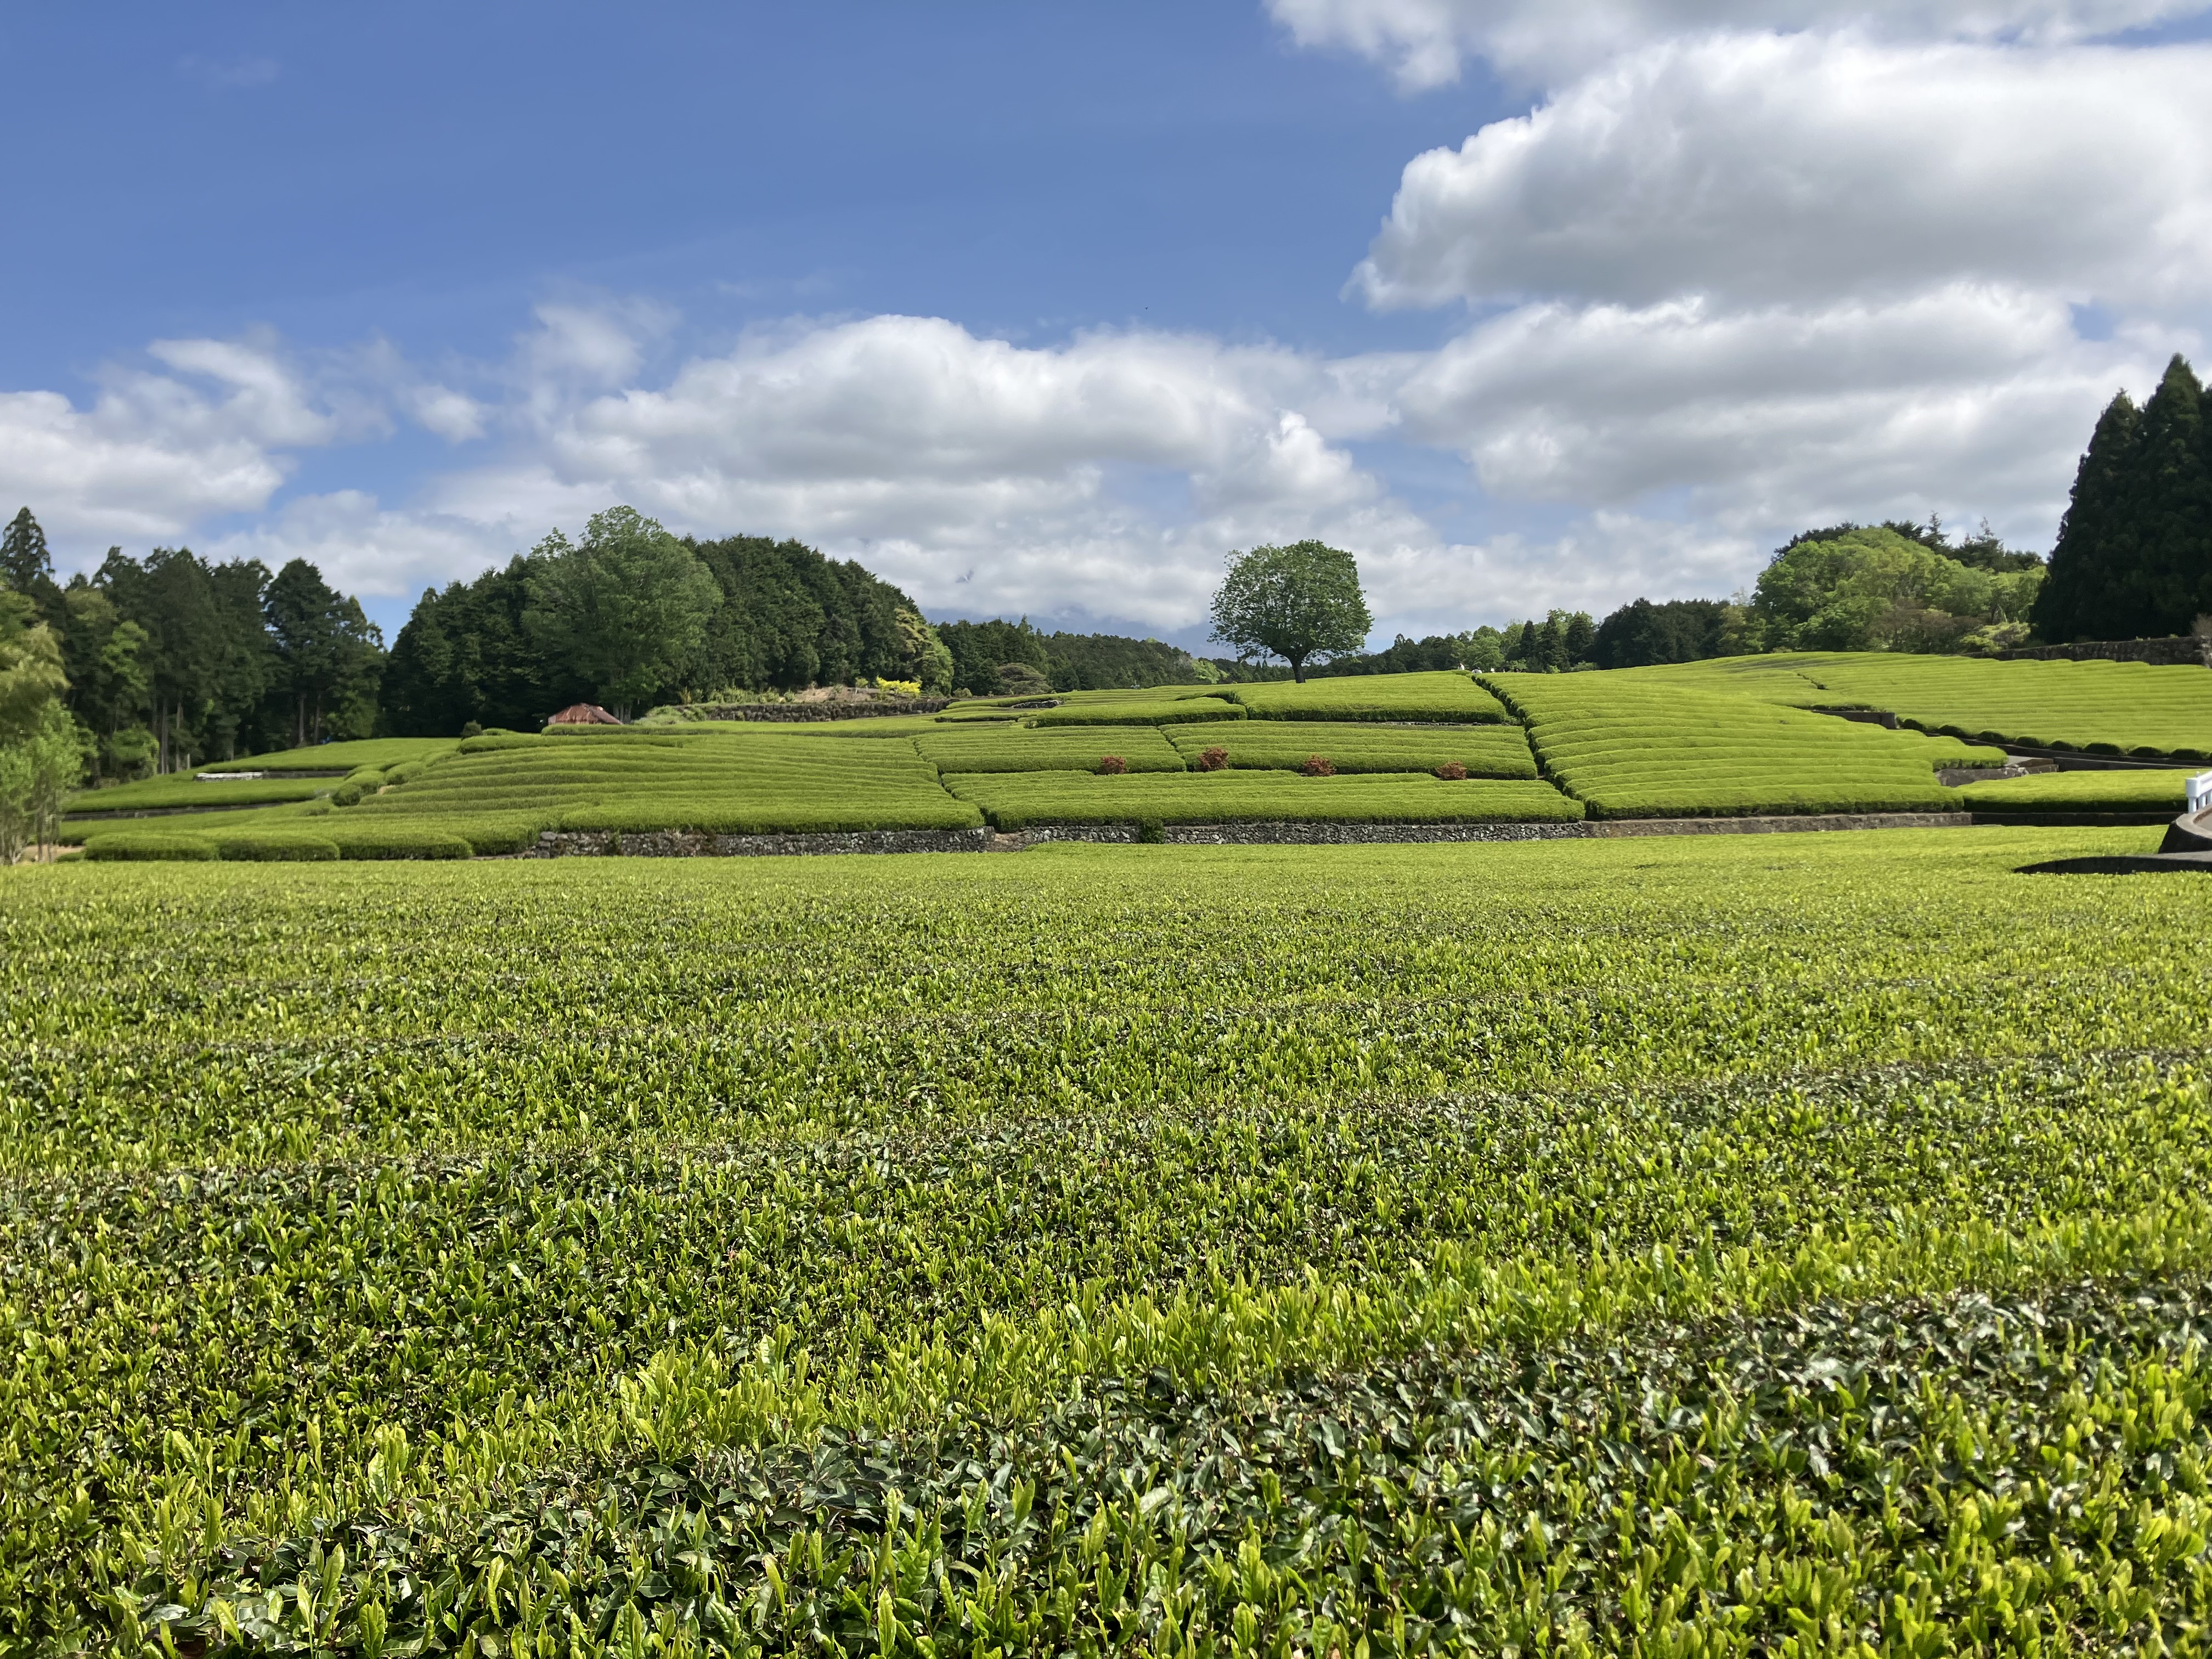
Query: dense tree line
(2134, 555)
(982, 651)
(631, 614)
(172, 662)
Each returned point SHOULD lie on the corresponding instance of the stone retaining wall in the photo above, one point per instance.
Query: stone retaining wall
(678, 843)
(1358, 834)
(817, 711)
(587, 843)
(1611, 828)
(2182, 650)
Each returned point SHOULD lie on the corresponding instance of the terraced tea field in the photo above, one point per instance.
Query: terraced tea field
(1707, 1245)
(2099, 708)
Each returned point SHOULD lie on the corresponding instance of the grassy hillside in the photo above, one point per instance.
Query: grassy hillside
(1187, 1251)
(1632, 747)
(2101, 707)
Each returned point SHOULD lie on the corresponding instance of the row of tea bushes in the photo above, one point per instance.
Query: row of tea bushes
(1444, 696)
(1486, 751)
(2134, 790)
(1019, 748)
(1020, 801)
(2095, 707)
(1222, 1252)
(1632, 748)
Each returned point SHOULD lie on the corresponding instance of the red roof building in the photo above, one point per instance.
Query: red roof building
(583, 713)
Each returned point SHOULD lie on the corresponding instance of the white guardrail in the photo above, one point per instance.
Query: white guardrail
(2200, 791)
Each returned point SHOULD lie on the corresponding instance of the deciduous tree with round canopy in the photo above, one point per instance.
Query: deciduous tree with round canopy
(1296, 603)
(624, 607)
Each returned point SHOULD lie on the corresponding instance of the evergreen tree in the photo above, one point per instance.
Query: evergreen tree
(27, 567)
(328, 655)
(2170, 584)
(2133, 556)
(1581, 637)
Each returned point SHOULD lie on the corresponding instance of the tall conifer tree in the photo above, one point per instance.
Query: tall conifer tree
(2171, 583)
(2081, 599)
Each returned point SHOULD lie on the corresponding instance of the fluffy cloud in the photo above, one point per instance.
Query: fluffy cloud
(1764, 169)
(157, 453)
(365, 548)
(1425, 42)
(1105, 475)
(1960, 400)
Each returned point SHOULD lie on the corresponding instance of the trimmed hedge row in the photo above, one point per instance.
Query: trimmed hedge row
(2081, 792)
(1442, 697)
(1486, 752)
(1017, 800)
(1140, 750)
(1185, 711)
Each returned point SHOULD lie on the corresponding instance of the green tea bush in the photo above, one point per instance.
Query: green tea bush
(1649, 748)
(1021, 750)
(174, 793)
(1569, 1245)
(338, 757)
(2095, 707)
(1448, 696)
(1490, 752)
(136, 845)
(273, 846)
(1187, 710)
(2129, 791)
(391, 840)
(1019, 800)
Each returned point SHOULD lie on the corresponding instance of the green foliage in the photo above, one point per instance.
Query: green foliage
(38, 769)
(2116, 791)
(625, 607)
(1879, 590)
(1575, 1243)
(2100, 707)
(2134, 555)
(174, 793)
(1448, 697)
(1065, 662)
(341, 759)
(1135, 711)
(1019, 800)
(1017, 749)
(1634, 745)
(270, 847)
(141, 845)
(329, 656)
(499, 791)
(1488, 751)
(1295, 602)
(31, 674)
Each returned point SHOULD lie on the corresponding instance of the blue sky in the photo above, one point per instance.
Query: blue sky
(1044, 309)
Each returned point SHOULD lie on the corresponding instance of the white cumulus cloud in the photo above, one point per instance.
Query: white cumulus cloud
(1763, 168)
(1425, 42)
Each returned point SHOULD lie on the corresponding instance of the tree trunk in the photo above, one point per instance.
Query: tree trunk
(1298, 668)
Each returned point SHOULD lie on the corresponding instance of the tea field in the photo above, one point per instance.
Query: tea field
(1710, 1245)
(2096, 706)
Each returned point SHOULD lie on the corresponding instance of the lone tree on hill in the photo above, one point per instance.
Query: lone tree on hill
(1293, 602)
(624, 607)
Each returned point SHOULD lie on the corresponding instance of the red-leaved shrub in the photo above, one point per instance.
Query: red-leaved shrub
(1112, 765)
(1451, 771)
(1318, 766)
(1213, 759)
